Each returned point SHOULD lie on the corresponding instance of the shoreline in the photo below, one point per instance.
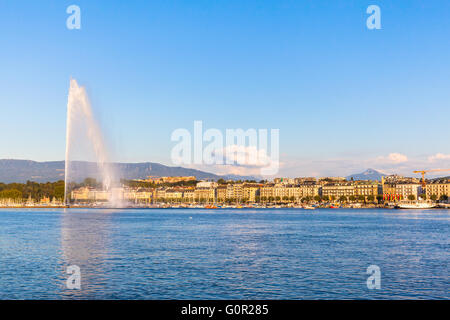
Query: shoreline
(439, 206)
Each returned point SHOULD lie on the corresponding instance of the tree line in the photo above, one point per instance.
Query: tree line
(37, 191)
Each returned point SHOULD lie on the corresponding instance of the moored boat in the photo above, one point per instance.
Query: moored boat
(415, 205)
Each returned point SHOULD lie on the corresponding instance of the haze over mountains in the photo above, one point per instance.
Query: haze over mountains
(20, 171)
(369, 174)
(12, 170)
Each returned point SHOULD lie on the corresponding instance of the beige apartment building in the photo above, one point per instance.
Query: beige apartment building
(309, 190)
(206, 194)
(235, 191)
(403, 190)
(139, 195)
(267, 191)
(438, 188)
(336, 190)
(159, 193)
(189, 195)
(89, 194)
(221, 193)
(250, 191)
(174, 195)
(366, 188)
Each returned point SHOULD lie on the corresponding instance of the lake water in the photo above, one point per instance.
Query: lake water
(224, 253)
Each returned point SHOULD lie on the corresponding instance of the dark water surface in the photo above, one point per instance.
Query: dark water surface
(224, 254)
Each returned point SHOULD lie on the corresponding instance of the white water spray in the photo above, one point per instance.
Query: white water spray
(81, 123)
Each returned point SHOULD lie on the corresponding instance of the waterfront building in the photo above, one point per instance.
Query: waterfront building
(366, 188)
(235, 191)
(405, 190)
(81, 194)
(267, 192)
(189, 195)
(143, 196)
(160, 194)
(139, 195)
(309, 189)
(250, 191)
(438, 188)
(338, 189)
(174, 194)
(396, 188)
(206, 184)
(204, 194)
(85, 194)
(280, 192)
(221, 193)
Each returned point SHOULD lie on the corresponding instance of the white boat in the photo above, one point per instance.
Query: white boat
(308, 207)
(415, 205)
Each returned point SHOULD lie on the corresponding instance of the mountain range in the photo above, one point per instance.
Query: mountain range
(12, 170)
(369, 174)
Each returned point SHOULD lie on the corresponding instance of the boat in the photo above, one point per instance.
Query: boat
(210, 207)
(308, 207)
(415, 205)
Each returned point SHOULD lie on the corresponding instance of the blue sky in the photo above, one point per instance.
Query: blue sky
(344, 97)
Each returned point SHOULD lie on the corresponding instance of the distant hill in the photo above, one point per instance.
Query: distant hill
(12, 170)
(440, 178)
(369, 174)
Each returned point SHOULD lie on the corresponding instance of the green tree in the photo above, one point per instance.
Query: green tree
(342, 198)
(443, 197)
(12, 194)
(352, 198)
(371, 198)
(90, 182)
(411, 197)
(59, 192)
(433, 197)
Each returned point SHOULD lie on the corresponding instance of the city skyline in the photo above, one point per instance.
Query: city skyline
(345, 98)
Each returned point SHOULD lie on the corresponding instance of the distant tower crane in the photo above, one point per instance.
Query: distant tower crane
(426, 171)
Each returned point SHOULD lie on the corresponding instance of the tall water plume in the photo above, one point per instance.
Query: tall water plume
(85, 147)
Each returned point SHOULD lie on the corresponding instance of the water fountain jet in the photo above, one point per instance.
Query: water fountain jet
(81, 122)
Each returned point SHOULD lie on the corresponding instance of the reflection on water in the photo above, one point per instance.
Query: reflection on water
(224, 254)
(84, 240)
